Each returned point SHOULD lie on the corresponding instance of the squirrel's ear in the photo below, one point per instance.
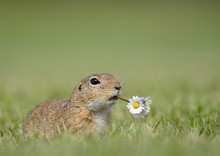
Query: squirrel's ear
(80, 87)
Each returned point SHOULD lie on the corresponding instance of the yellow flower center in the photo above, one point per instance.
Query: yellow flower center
(136, 105)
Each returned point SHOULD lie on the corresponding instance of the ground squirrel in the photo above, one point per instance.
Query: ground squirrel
(87, 110)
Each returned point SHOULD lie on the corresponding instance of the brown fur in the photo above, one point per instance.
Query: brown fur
(88, 109)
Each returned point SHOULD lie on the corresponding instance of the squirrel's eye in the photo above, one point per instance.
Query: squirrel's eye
(94, 81)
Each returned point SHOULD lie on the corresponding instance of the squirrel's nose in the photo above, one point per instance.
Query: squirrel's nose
(118, 88)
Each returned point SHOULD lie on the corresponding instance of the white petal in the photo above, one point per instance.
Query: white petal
(136, 111)
(148, 100)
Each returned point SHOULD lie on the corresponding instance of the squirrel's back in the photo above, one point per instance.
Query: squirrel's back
(45, 117)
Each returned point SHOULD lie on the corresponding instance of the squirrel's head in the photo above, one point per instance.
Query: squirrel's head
(97, 91)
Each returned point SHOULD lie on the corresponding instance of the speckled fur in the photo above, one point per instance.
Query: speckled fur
(88, 109)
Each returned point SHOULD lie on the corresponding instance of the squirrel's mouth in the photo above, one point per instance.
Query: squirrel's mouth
(113, 98)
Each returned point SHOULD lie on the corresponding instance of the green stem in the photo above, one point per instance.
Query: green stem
(123, 98)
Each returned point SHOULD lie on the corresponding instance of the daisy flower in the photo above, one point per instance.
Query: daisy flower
(138, 106)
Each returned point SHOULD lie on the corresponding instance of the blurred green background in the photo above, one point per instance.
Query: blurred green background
(169, 50)
(63, 41)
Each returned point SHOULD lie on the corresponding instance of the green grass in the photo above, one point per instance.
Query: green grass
(169, 51)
